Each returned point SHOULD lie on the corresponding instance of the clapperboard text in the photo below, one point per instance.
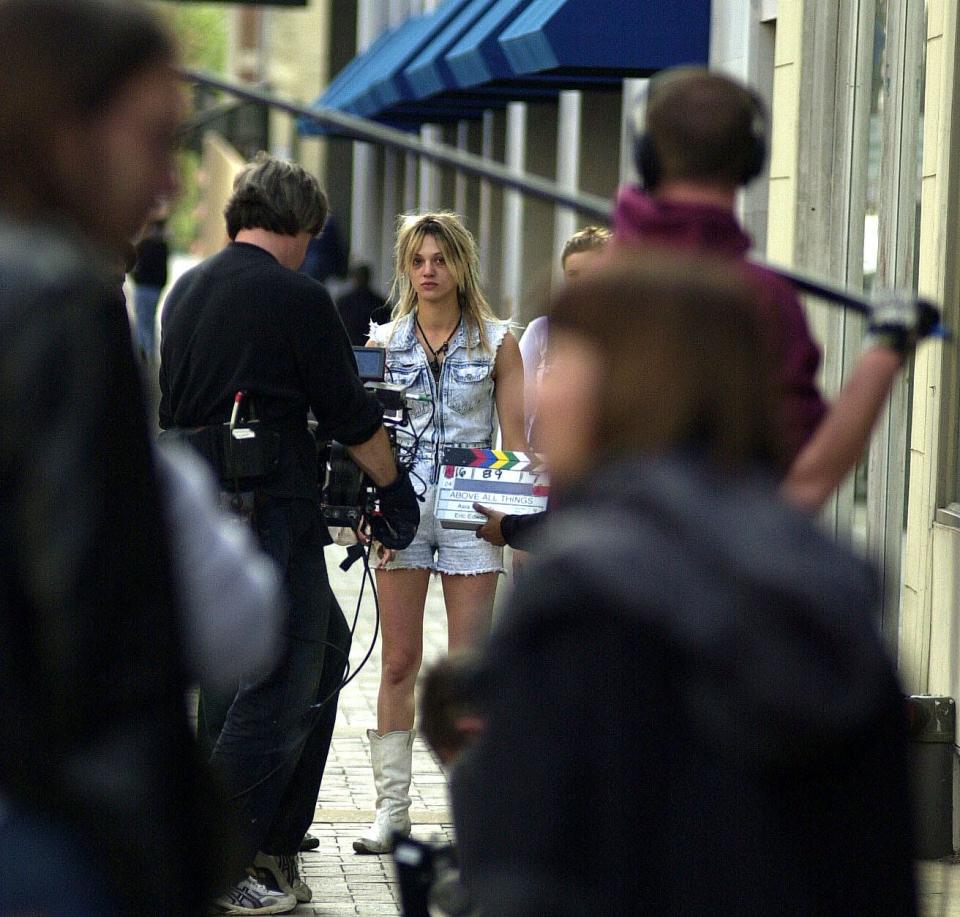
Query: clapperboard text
(511, 482)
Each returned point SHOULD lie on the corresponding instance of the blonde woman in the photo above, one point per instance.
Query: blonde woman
(446, 345)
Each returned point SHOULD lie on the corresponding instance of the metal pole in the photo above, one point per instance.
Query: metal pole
(856, 301)
(818, 288)
(590, 205)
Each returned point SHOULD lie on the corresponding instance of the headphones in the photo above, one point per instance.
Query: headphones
(645, 155)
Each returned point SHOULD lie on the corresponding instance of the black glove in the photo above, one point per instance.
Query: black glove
(396, 523)
(900, 322)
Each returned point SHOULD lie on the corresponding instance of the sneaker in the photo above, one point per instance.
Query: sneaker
(282, 871)
(249, 896)
(309, 842)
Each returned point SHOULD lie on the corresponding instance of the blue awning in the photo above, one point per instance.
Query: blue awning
(469, 55)
(373, 83)
(429, 73)
(606, 37)
(357, 74)
(477, 58)
(429, 76)
(390, 86)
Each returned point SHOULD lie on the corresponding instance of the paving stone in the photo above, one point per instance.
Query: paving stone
(344, 882)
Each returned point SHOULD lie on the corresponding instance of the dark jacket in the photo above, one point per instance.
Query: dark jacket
(688, 713)
(327, 255)
(153, 255)
(522, 532)
(356, 309)
(641, 219)
(91, 676)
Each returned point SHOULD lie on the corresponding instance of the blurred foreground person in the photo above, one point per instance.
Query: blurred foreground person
(449, 719)
(102, 800)
(687, 709)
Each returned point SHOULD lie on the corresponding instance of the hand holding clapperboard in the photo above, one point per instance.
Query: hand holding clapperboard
(509, 482)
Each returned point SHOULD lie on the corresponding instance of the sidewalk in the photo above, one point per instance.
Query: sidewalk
(939, 884)
(344, 882)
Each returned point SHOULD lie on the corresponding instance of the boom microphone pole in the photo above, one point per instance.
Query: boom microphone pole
(930, 312)
(590, 205)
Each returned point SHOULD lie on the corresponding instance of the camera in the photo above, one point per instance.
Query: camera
(346, 494)
(429, 878)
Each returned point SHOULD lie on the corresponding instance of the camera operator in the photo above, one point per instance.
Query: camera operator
(245, 321)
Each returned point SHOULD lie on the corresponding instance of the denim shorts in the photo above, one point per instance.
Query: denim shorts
(445, 550)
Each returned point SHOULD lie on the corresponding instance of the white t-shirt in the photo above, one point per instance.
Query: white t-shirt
(533, 349)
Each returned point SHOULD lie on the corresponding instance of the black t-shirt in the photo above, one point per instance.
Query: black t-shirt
(242, 322)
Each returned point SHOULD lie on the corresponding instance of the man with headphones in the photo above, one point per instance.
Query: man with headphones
(704, 138)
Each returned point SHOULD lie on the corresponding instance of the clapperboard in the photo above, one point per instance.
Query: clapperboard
(511, 482)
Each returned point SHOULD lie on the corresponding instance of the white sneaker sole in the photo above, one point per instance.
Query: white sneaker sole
(283, 908)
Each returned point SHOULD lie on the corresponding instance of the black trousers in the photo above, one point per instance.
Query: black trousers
(273, 745)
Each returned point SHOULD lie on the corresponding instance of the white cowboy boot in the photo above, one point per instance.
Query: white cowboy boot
(392, 757)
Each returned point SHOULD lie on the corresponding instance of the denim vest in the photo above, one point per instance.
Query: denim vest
(459, 409)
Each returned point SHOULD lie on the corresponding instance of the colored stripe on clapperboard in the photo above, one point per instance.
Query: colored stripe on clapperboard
(493, 458)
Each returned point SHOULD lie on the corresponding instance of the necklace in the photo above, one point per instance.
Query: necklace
(441, 350)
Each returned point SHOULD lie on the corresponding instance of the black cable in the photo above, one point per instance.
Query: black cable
(407, 454)
(376, 618)
(416, 435)
(365, 557)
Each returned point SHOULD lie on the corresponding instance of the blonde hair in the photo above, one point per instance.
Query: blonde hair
(459, 250)
(587, 239)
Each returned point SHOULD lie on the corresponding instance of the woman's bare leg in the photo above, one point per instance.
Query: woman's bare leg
(403, 594)
(469, 601)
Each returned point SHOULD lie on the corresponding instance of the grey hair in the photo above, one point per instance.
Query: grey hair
(277, 195)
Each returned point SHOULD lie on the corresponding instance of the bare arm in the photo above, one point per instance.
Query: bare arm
(508, 378)
(839, 441)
